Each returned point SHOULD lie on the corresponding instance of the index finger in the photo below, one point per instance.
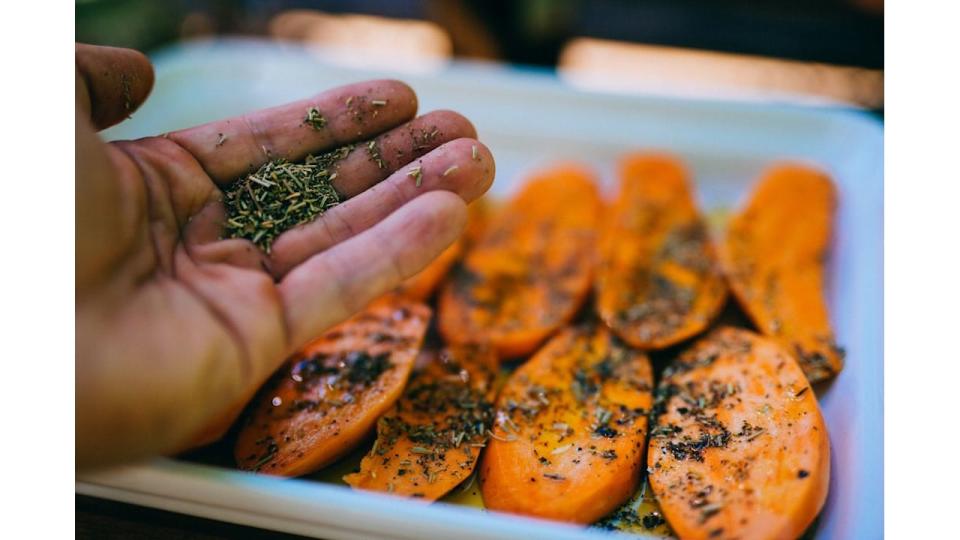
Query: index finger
(229, 148)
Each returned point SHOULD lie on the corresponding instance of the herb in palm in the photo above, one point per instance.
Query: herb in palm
(281, 195)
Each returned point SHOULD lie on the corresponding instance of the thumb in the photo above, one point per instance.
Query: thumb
(111, 82)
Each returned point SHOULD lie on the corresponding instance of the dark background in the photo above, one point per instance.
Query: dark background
(846, 32)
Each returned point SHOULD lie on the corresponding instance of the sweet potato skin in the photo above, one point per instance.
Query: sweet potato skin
(327, 398)
(658, 279)
(531, 270)
(570, 431)
(774, 254)
(430, 441)
(739, 448)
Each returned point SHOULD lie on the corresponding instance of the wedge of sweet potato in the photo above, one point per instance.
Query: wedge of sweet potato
(570, 431)
(328, 397)
(739, 448)
(430, 441)
(531, 270)
(774, 254)
(658, 280)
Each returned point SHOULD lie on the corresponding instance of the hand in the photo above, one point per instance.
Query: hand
(176, 327)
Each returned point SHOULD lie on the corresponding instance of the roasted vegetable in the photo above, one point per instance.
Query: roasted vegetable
(429, 443)
(774, 255)
(530, 270)
(327, 398)
(658, 281)
(739, 448)
(570, 432)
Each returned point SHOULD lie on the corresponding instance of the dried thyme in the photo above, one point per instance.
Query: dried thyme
(417, 174)
(314, 119)
(281, 195)
(374, 150)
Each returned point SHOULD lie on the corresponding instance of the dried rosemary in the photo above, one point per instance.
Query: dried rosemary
(281, 195)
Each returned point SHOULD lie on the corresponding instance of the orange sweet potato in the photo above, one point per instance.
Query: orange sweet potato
(570, 431)
(739, 449)
(658, 280)
(774, 255)
(328, 397)
(429, 443)
(530, 270)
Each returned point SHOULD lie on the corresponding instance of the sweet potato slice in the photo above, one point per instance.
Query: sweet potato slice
(328, 397)
(431, 440)
(774, 254)
(530, 270)
(658, 280)
(739, 448)
(570, 431)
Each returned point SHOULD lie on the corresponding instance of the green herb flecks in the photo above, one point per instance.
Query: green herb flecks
(281, 195)
(374, 150)
(417, 174)
(314, 119)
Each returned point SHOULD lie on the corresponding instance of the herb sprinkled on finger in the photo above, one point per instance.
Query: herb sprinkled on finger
(314, 119)
(417, 174)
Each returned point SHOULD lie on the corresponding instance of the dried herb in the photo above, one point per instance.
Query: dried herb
(374, 150)
(710, 510)
(417, 174)
(281, 195)
(314, 119)
(341, 371)
(652, 520)
(269, 452)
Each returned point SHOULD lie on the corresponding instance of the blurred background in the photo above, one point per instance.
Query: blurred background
(821, 51)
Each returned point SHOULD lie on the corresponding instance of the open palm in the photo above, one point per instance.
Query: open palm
(177, 327)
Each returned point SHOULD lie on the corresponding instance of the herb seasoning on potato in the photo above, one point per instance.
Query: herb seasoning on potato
(774, 253)
(658, 280)
(571, 429)
(739, 448)
(327, 398)
(431, 440)
(531, 269)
